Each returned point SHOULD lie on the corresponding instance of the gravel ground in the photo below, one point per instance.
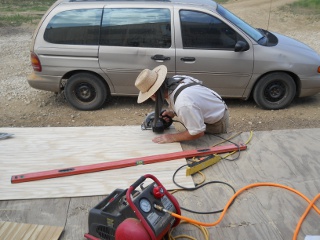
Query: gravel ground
(22, 106)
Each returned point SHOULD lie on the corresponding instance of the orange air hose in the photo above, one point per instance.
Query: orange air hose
(311, 204)
(304, 216)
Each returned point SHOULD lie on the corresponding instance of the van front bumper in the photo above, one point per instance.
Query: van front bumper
(47, 83)
(310, 86)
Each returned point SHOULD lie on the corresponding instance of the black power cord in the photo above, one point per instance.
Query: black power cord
(211, 182)
(197, 187)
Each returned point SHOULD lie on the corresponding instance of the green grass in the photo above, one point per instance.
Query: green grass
(304, 7)
(307, 4)
(25, 5)
(221, 1)
(16, 12)
(16, 20)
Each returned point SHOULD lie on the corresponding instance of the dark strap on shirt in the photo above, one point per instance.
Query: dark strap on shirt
(181, 88)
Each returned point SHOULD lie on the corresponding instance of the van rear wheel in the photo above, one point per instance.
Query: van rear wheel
(85, 91)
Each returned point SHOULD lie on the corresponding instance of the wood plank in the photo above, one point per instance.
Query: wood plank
(30, 230)
(288, 157)
(54, 148)
(77, 224)
(15, 231)
(51, 212)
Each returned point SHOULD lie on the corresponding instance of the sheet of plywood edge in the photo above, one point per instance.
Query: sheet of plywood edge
(40, 149)
(23, 231)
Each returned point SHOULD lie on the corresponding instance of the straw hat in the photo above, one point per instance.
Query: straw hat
(149, 81)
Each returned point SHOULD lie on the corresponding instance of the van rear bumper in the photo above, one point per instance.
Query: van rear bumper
(47, 83)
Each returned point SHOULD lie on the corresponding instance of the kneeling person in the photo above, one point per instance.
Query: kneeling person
(198, 108)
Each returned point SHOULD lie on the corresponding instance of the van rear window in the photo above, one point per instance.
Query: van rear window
(76, 27)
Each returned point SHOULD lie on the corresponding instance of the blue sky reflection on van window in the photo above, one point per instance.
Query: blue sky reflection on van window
(76, 18)
(198, 17)
(251, 31)
(126, 16)
(136, 27)
(75, 27)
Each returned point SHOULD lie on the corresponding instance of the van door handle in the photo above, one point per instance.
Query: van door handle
(188, 59)
(159, 57)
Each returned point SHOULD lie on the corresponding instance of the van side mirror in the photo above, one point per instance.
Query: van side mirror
(241, 46)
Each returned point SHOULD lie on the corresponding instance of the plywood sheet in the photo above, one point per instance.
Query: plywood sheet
(23, 231)
(41, 149)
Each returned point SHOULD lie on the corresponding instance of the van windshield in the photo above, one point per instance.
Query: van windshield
(245, 27)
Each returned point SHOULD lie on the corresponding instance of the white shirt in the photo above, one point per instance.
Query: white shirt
(196, 105)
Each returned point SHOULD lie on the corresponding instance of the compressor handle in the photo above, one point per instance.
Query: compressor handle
(135, 209)
(138, 182)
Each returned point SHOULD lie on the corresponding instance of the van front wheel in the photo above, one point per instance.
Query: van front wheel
(274, 91)
(85, 91)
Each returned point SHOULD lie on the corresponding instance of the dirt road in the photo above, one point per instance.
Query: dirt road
(22, 106)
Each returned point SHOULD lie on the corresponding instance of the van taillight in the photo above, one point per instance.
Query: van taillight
(35, 62)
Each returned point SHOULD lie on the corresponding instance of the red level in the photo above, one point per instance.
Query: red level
(124, 163)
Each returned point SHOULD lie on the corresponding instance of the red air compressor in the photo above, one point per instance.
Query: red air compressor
(130, 214)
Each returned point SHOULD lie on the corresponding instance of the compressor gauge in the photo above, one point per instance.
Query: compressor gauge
(145, 205)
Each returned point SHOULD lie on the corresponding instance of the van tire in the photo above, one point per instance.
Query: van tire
(86, 91)
(274, 91)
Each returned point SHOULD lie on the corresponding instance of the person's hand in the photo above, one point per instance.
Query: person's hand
(176, 137)
(165, 138)
(167, 115)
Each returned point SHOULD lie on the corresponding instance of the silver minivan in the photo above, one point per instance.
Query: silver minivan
(93, 50)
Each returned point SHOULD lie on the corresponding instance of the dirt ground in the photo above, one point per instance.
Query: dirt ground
(22, 106)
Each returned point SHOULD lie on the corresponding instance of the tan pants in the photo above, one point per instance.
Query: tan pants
(219, 127)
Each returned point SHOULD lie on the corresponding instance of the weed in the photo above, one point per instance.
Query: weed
(221, 1)
(304, 7)
(14, 13)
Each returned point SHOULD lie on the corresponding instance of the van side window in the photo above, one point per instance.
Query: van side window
(76, 27)
(204, 31)
(137, 27)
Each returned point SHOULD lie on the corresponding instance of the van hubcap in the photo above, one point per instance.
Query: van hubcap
(275, 91)
(85, 92)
